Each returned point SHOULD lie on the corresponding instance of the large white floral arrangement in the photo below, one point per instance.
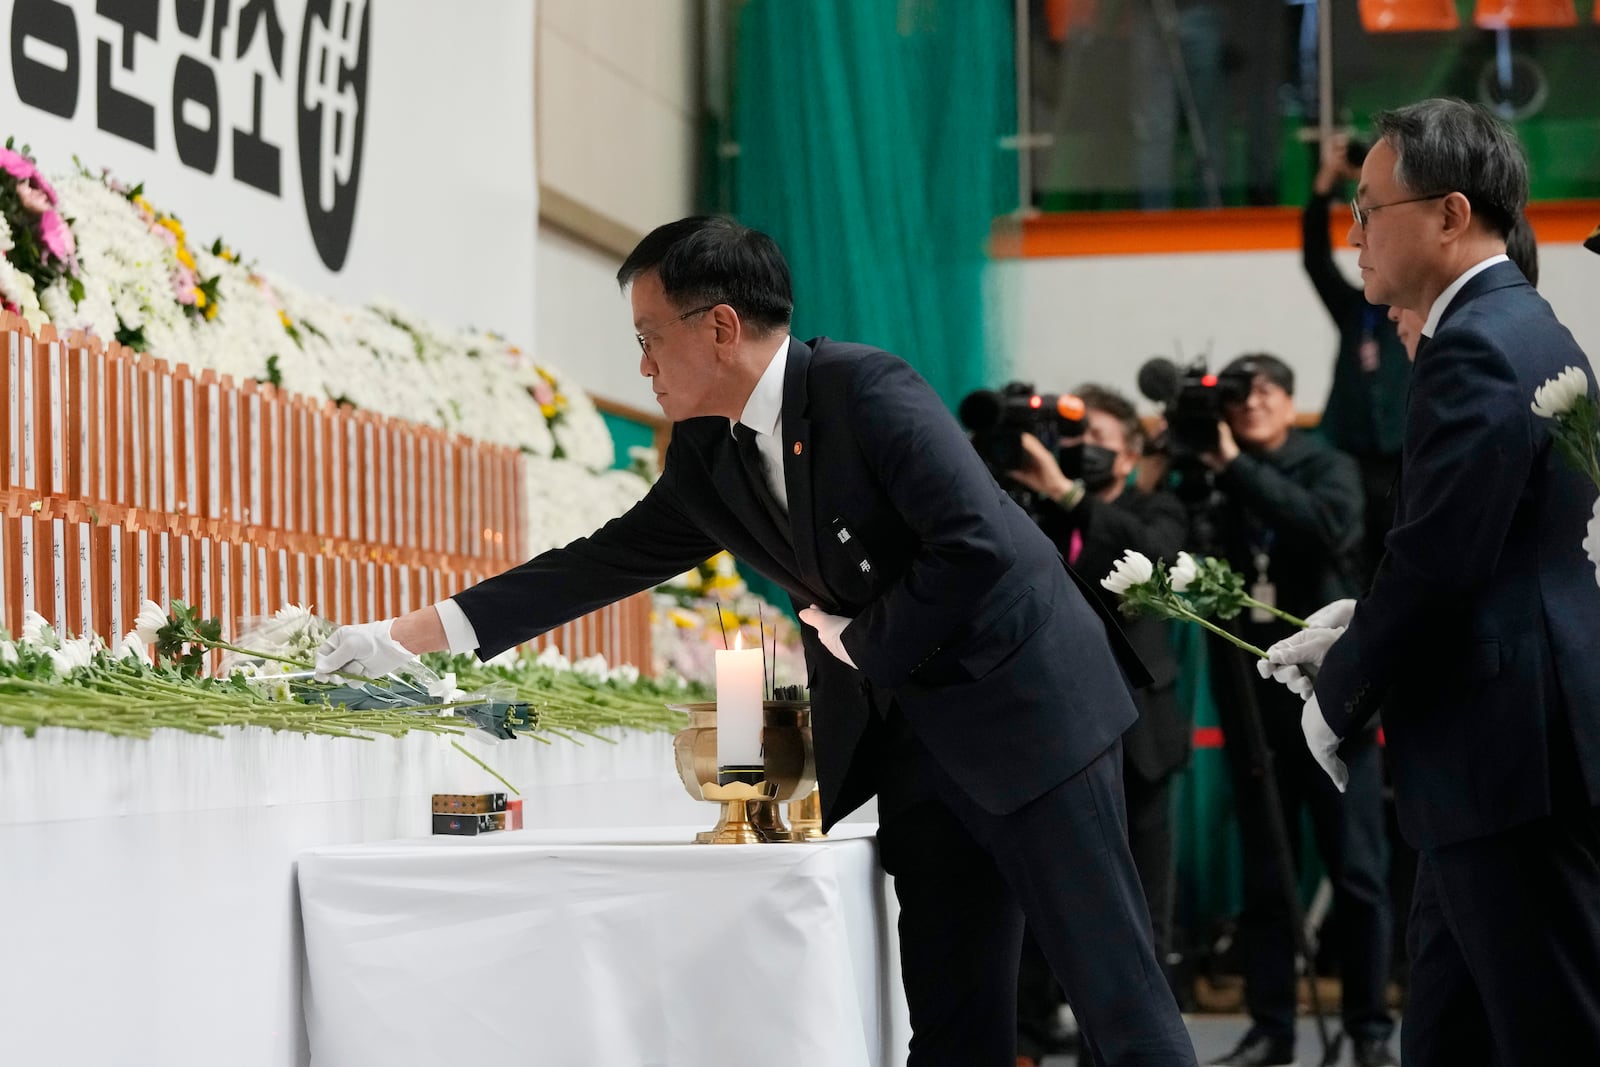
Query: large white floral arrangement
(135, 276)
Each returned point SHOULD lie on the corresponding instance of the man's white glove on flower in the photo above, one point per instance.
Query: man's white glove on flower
(829, 630)
(365, 649)
(1335, 616)
(1307, 648)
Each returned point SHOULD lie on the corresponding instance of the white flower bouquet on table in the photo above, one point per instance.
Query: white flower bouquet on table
(1193, 590)
(1565, 400)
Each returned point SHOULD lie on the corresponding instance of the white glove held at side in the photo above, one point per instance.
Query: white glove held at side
(829, 630)
(365, 649)
(1323, 742)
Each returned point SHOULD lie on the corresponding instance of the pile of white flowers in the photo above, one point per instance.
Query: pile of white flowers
(378, 357)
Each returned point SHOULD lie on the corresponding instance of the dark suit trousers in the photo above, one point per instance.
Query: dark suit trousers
(1504, 941)
(1351, 839)
(965, 879)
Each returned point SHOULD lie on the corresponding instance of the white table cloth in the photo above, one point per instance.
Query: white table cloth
(618, 948)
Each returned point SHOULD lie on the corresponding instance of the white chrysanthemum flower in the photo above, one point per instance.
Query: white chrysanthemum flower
(1186, 570)
(1591, 543)
(1557, 395)
(130, 647)
(294, 616)
(627, 674)
(594, 667)
(8, 652)
(1134, 568)
(150, 622)
(73, 655)
(37, 631)
(552, 659)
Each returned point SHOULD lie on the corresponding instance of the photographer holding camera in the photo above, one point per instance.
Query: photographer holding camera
(1365, 410)
(1288, 516)
(1093, 518)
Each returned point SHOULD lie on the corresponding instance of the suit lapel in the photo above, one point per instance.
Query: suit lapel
(797, 463)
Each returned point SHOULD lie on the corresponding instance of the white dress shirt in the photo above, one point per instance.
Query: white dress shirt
(763, 413)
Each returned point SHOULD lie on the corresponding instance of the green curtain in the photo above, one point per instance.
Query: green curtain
(869, 148)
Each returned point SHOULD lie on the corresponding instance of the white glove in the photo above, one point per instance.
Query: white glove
(1323, 742)
(1293, 661)
(1335, 616)
(829, 628)
(365, 649)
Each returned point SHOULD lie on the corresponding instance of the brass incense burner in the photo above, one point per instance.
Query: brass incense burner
(750, 813)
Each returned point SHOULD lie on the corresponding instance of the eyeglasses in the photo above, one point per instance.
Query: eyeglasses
(1361, 213)
(643, 338)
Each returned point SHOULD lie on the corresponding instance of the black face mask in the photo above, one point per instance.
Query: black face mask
(1091, 463)
(1097, 467)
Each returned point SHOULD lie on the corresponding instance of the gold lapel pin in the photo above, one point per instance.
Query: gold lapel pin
(797, 448)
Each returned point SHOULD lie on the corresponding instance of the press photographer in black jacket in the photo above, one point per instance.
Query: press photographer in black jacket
(1093, 519)
(1290, 520)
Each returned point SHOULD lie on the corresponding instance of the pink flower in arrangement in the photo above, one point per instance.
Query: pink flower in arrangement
(17, 165)
(543, 395)
(33, 198)
(56, 236)
(183, 285)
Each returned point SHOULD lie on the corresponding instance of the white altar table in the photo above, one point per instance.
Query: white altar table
(622, 948)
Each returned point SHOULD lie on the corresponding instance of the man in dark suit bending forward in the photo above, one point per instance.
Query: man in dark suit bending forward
(957, 669)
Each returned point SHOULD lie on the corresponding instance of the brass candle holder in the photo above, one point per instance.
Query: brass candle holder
(750, 812)
(805, 816)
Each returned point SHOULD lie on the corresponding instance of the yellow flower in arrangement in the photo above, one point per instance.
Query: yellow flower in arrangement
(546, 393)
(684, 619)
(283, 317)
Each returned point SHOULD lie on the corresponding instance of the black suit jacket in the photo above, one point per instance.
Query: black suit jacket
(1156, 525)
(965, 615)
(1484, 618)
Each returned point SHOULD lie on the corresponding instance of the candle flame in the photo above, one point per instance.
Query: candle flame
(738, 639)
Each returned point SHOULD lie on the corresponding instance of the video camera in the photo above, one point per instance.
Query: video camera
(1192, 400)
(998, 419)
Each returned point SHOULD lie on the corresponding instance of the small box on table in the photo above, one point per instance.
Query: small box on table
(469, 825)
(468, 803)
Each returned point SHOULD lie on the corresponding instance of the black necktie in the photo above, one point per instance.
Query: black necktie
(755, 469)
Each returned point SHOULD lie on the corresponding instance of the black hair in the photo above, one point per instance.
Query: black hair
(1447, 145)
(1267, 366)
(1113, 403)
(706, 259)
(1523, 250)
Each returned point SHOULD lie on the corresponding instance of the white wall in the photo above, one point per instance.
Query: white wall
(585, 326)
(618, 91)
(1097, 318)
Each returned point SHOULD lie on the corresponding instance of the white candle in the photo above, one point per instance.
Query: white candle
(740, 673)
